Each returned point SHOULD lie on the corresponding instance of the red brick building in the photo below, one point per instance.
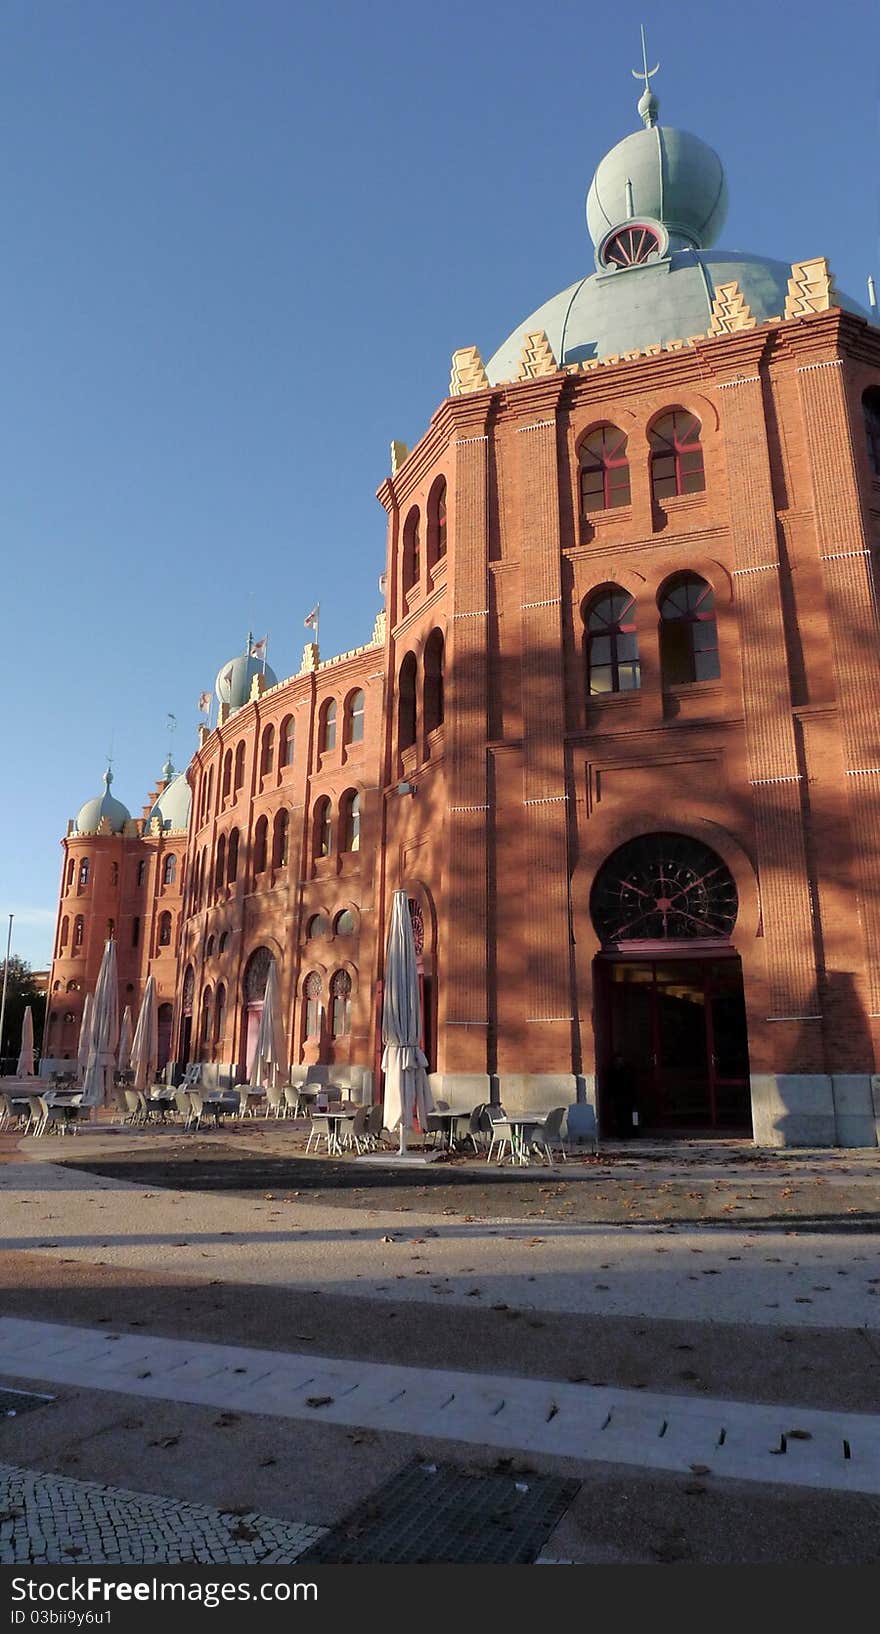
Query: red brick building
(617, 732)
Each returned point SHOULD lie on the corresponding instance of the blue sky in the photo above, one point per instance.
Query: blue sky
(241, 239)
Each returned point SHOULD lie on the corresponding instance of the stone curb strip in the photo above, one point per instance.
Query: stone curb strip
(790, 1446)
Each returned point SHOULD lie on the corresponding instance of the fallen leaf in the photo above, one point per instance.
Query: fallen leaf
(319, 1401)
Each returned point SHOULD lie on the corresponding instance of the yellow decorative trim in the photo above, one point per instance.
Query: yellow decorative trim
(468, 373)
(536, 357)
(399, 453)
(810, 288)
(730, 311)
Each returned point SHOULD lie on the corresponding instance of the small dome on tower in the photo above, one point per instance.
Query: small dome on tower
(90, 816)
(174, 803)
(668, 176)
(233, 684)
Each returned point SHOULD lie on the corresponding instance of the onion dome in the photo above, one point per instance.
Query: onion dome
(90, 816)
(233, 684)
(174, 803)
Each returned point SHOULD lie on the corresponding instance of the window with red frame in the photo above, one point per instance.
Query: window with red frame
(631, 246)
(676, 455)
(688, 631)
(604, 470)
(612, 642)
(340, 994)
(312, 994)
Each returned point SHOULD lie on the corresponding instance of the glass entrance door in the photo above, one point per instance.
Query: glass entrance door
(676, 1031)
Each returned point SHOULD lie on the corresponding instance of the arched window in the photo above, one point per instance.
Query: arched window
(206, 1018)
(224, 941)
(350, 822)
(871, 411)
(70, 867)
(261, 837)
(280, 833)
(226, 785)
(604, 470)
(169, 870)
(412, 549)
(256, 975)
(239, 767)
(220, 864)
(406, 703)
(209, 948)
(142, 871)
(312, 994)
(288, 738)
(354, 718)
(114, 873)
(207, 794)
(327, 733)
(437, 522)
(220, 1015)
(267, 756)
(232, 857)
(340, 997)
(73, 987)
(84, 872)
(344, 924)
(323, 828)
(676, 455)
(164, 930)
(78, 930)
(611, 642)
(318, 925)
(433, 683)
(688, 631)
(65, 931)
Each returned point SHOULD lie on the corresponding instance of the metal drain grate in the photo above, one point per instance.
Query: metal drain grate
(436, 1514)
(13, 1402)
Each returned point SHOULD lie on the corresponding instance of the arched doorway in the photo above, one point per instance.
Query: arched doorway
(670, 1011)
(164, 1020)
(255, 976)
(186, 1016)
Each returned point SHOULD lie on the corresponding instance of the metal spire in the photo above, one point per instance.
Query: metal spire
(648, 105)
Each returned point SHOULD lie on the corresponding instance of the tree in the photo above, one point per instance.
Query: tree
(21, 991)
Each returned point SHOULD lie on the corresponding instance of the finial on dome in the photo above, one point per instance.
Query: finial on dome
(108, 776)
(168, 770)
(648, 106)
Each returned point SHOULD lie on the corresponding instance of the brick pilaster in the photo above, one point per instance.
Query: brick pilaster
(850, 587)
(774, 776)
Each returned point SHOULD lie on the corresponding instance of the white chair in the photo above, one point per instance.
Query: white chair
(293, 1103)
(320, 1125)
(276, 1102)
(183, 1103)
(549, 1134)
(502, 1134)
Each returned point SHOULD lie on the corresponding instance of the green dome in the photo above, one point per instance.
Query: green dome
(233, 685)
(668, 176)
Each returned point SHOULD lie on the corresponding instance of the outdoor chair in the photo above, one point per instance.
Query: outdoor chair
(375, 1125)
(121, 1103)
(502, 1134)
(276, 1102)
(320, 1125)
(183, 1103)
(358, 1135)
(250, 1101)
(549, 1134)
(479, 1126)
(293, 1102)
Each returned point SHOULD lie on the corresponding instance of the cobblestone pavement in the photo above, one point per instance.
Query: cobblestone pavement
(51, 1520)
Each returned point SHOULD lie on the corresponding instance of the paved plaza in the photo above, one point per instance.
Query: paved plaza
(233, 1369)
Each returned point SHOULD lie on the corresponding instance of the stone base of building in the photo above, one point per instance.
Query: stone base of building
(519, 1092)
(816, 1109)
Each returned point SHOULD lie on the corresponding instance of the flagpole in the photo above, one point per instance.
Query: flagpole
(5, 981)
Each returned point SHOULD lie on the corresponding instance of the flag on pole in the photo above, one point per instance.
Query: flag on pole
(311, 623)
(257, 649)
(204, 703)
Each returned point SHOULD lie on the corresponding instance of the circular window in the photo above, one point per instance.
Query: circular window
(629, 246)
(345, 925)
(663, 888)
(318, 925)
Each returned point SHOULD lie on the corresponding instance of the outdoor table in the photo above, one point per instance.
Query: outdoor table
(336, 1116)
(520, 1130)
(446, 1124)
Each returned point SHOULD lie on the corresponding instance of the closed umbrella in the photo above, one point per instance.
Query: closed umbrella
(145, 1047)
(269, 1062)
(103, 1030)
(25, 1067)
(124, 1051)
(407, 1092)
(82, 1048)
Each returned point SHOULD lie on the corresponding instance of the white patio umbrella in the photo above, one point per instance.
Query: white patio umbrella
(145, 1047)
(82, 1048)
(269, 1064)
(25, 1068)
(103, 1030)
(407, 1092)
(124, 1051)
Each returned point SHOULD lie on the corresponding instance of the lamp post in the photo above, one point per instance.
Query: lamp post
(5, 983)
